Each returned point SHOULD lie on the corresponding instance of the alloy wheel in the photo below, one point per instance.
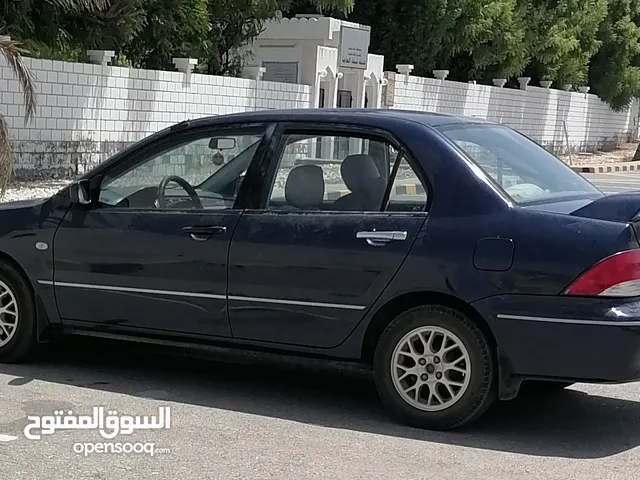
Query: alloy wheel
(8, 314)
(430, 368)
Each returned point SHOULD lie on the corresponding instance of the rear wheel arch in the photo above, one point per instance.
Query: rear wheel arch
(394, 307)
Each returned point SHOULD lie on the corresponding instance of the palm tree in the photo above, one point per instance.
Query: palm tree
(13, 54)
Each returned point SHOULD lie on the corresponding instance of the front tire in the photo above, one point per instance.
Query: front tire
(17, 317)
(435, 368)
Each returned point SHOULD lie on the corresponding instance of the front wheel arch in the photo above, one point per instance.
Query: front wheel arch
(42, 317)
(9, 260)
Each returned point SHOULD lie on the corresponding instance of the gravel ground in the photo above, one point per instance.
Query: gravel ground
(36, 189)
(622, 154)
(46, 188)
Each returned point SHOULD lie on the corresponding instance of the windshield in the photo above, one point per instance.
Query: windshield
(525, 171)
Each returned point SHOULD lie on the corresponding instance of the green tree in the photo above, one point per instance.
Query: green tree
(471, 38)
(614, 72)
(171, 28)
(41, 26)
(494, 42)
(562, 36)
(111, 28)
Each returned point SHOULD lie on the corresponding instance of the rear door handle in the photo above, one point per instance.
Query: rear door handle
(204, 232)
(378, 238)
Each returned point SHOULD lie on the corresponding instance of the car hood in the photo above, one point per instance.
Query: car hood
(32, 202)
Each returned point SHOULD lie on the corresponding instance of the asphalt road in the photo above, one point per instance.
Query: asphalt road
(256, 417)
(615, 182)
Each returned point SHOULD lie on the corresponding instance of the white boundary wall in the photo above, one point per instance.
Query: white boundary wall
(537, 112)
(88, 112)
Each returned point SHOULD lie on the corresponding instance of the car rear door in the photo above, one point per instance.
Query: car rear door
(306, 265)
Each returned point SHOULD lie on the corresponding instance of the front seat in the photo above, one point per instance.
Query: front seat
(362, 178)
(304, 189)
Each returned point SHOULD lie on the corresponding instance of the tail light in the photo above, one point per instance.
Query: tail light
(615, 276)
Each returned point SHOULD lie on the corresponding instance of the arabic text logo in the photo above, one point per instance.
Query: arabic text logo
(109, 426)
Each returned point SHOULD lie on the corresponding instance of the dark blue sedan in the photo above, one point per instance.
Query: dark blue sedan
(455, 256)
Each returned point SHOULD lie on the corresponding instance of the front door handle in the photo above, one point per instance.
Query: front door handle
(201, 233)
(379, 238)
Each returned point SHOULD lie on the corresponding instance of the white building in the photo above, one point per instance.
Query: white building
(332, 56)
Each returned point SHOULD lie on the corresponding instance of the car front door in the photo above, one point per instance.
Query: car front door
(150, 250)
(333, 228)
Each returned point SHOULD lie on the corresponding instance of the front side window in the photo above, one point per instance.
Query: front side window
(209, 170)
(524, 170)
(343, 173)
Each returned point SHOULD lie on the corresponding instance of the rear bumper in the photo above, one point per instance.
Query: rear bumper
(581, 339)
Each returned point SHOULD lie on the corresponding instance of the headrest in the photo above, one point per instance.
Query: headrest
(360, 175)
(305, 187)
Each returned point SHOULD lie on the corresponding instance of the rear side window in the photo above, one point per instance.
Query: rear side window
(343, 173)
(408, 193)
(525, 171)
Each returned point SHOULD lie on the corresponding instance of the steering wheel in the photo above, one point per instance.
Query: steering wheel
(193, 195)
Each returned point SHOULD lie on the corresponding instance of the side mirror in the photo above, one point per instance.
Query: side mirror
(80, 192)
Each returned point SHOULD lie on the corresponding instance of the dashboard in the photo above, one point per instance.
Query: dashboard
(141, 197)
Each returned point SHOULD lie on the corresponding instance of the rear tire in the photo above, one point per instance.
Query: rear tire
(435, 368)
(17, 317)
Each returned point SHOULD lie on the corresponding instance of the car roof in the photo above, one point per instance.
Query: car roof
(362, 116)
